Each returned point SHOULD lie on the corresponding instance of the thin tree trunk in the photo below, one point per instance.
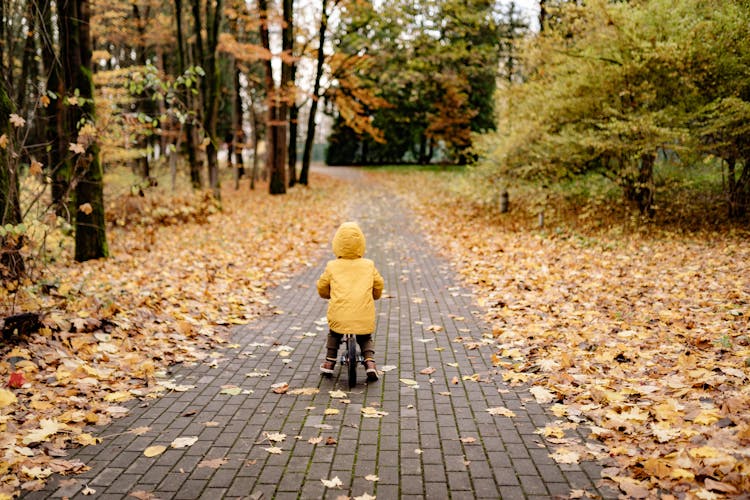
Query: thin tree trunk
(256, 137)
(144, 104)
(213, 81)
(288, 74)
(75, 38)
(11, 262)
(276, 122)
(195, 172)
(54, 115)
(238, 137)
(310, 136)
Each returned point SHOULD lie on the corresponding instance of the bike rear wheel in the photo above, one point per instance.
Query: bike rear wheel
(351, 357)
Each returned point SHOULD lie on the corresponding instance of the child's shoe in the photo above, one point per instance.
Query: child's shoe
(327, 367)
(371, 370)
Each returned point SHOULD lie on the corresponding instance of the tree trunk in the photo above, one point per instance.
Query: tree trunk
(54, 115)
(276, 121)
(738, 189)
(75, 41)
(256, 139)
(238, 138)
(195, 171)
(11, 262)
(212, 94)
(288, 74)
(638, 187)
(310, 136)
(144, 98)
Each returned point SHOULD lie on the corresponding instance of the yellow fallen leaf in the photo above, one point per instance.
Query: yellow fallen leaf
(36, 472)
(118, 397)
(331, 411)
(7, 398)
(47, 428)
(153, 451)
(337, 394)
(274, 450)
(409, 381)
(500, 410)
(87, 439)
(566, 456)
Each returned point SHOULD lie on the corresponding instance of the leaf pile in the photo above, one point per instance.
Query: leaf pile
(167, 295)
(643, 339)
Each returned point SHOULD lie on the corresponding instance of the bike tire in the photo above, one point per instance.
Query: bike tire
(351, 347)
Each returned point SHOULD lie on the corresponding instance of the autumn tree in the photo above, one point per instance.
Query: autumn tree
(610, 85)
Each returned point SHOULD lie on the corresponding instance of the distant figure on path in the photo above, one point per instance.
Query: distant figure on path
(352, 283)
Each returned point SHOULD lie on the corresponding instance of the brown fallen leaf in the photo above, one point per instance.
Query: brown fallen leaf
(280, 388)
(144, 495)
(213, 463)
(468, 440)
(330, 441)
(427, 371)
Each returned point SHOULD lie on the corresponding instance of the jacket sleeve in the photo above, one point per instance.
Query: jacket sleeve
(377, 284)
(324, 284)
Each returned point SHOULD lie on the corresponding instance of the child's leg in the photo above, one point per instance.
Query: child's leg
(332, 350)
(332, 345)
(366, 346)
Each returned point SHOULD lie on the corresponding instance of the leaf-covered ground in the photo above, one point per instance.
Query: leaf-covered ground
(642, 338)
(167, 294)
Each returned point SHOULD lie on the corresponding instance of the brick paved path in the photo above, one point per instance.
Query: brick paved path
(437, 439)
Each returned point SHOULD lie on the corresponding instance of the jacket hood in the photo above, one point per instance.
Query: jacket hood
(349, 241)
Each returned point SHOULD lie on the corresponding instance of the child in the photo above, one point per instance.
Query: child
(351, 283)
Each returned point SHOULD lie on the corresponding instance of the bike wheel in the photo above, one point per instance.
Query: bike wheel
(351, 348)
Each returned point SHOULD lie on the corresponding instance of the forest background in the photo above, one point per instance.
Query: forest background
(127, 126)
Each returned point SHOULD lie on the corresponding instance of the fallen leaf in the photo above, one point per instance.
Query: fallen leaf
(337, 394)
(214, 463)
(48, 427)
(372, 477)
(305, 391)
(566, 456)
(409, 381)
(330, 441)
(144, 495)
(542, 395)
(455, 381)
(500, 410)
(315, 440)
(331, 411)
(370, 412)
(427, 371)
(332, 483)
(418, 451)
(280, 388)
(387, 368)
(88, 491)
(468, 440)
(36, 472)
(275, 437)
(7, 398)
(184, 442)
(364, 496)
(153, 451)
(274, 450)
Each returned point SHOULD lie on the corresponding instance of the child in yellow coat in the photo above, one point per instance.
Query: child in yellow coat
(352, 283)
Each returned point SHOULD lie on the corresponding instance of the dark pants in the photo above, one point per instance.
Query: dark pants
(366, 345)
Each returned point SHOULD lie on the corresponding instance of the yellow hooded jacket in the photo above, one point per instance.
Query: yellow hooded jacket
(351, 282)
